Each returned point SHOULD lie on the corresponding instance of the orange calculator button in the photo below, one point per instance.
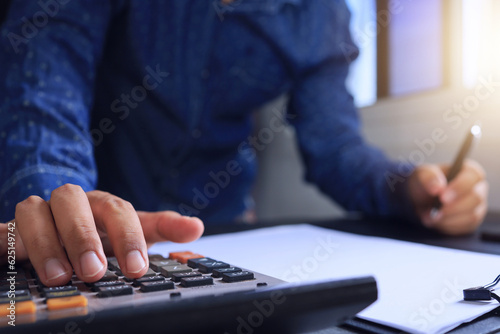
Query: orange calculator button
(26, 307)
(183, 257)
(66, 302)
(176, 255)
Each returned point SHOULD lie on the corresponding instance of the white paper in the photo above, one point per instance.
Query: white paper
(420, 287)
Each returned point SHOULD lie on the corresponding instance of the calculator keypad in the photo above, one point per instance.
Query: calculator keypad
(174, 276)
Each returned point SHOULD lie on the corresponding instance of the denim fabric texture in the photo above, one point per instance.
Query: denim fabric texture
(153, 101)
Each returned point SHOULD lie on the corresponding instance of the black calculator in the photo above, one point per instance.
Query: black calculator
(184, 292)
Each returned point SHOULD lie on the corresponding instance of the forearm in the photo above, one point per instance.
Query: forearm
(337, 158)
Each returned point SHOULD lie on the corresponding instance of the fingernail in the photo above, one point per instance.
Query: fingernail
(91, 265)
(54, 269)
(135, 262)
(448, 196)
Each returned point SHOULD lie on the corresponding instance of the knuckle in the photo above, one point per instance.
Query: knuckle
(116, 205)
(476, 168)
(29, 203)
(83, 234)
(38, 242)
(32, 200)
(67, 189)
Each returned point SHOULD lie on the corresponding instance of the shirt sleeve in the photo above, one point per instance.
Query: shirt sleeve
(337, 158)
(48, 56)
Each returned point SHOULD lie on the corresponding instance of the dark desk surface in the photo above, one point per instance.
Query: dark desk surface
(477, 242)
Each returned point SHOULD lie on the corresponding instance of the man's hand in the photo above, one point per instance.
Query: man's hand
(77, 230)
(464, 199)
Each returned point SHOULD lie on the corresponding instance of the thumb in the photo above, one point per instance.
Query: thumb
(169, 225)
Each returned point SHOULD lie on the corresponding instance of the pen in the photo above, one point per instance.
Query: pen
(473, 135)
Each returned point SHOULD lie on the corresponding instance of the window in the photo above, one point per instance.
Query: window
(410, 47)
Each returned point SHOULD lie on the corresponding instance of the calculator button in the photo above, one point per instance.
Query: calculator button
(109, 276)
(170, 270)
(177, 277)
(118, 272)
(24, 307)
(97, 285)
(150, 272)
(40, 286)
(156, 257)
(156, 286)
(237, 276)
(113, 264)
(209, 266)
(217, 273)
(176, 255)
(189, 282)
(184, 259)
(113, 291)
(156, 265)
(138, 281)
(57, 289)
(194, 263)
(66, 302)
(61, 294)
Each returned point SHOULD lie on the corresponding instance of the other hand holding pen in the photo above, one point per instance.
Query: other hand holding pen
(464, 199)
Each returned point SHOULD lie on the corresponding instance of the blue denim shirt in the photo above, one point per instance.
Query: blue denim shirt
(152, 101)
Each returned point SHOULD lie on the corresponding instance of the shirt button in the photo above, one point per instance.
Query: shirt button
(205, 74)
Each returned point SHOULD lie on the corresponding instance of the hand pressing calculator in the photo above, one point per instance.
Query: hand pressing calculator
(182, 293)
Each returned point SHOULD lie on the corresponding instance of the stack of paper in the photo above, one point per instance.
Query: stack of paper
(420, 286)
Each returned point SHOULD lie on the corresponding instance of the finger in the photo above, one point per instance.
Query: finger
(462, 205)
(75, 223)
(431, 178)
(470, 174)
(169, 225)
(36, 228)
(460, 224)
(123, 228)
